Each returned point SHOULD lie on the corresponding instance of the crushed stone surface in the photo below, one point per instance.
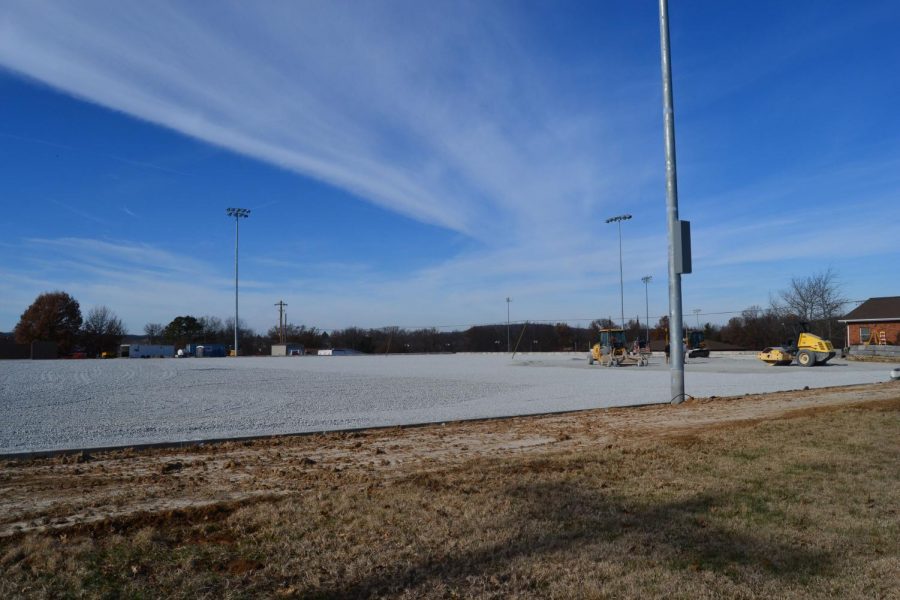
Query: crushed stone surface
(55, 405)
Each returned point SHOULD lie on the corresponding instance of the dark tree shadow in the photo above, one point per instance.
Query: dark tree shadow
(570, 517)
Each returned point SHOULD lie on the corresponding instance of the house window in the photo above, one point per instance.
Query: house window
(864, 335)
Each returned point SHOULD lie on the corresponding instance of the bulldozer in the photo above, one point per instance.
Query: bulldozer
(808, 350)
(612, 351)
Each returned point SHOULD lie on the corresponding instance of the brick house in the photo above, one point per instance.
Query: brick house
(876, 321)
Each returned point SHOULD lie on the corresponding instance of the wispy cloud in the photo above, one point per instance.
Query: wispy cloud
(69, 148)
(441, 119)
(80, 213)
(443, 113)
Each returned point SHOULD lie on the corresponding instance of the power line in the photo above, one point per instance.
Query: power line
(564, 320)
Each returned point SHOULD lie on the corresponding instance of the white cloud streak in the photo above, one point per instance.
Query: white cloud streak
(441, 112)
(433, 114)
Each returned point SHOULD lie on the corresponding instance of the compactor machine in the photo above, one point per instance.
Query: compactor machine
(612, 351)
(808, 350)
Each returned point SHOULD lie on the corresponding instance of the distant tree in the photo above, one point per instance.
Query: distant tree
(52, 317)
(598, 324)
(102, 331)
(244, 333)
(485, 338)
(183, 330)
(213, 330)
(297, 334)
(816, 299)
(757, 328)
(153, 331)
(712, 332)
(354, 338)
(565, 336)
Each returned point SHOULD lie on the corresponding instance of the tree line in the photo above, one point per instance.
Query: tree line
(56, 316)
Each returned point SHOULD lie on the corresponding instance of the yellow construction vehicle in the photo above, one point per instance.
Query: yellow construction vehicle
(612, 351)
(776, 355)
(695, 341)
(808, 350)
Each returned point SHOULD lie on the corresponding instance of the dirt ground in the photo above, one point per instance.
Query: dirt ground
(55, 493)
(259, 495)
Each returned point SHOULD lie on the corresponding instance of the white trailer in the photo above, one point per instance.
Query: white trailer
(146, 351)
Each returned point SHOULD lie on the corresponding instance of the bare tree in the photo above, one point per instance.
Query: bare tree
(816, 298)
(153, 331)
(102, 330)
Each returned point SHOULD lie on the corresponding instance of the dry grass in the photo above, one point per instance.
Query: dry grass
(803, 504)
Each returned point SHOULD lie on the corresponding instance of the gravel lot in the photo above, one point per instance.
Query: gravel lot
(51, 405)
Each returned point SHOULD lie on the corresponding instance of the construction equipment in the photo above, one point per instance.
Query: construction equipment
(776, 355)
(696, 344)
(808, 350)
(612, 351)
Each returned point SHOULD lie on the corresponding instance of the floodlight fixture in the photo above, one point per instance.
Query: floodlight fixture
(240, 213)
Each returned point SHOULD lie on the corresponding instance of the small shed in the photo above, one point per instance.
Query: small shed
(874, 322)
(288, 350)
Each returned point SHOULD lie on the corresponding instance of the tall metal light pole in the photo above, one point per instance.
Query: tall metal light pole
(508, 347)
(647, 279)
(238, 214)
(676, 331)
(618, 221)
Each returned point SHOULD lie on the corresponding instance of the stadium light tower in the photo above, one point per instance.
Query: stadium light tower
(618, 221)
(238, 214)
(508, 347)
(647, 279)
(678, 250)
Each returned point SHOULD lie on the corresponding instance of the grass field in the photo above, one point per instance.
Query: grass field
(785, 495)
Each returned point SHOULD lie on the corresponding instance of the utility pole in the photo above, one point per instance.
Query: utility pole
(676, 331)
(697, 314)
(508, 346)
(647, 279)
(618, 221)
(238, 214)
(282, 321)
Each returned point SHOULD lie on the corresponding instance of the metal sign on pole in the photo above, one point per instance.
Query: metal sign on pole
(679, 231)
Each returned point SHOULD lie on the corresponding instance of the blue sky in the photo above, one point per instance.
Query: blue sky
(414, 163)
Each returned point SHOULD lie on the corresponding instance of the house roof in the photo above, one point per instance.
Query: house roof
(876, 309)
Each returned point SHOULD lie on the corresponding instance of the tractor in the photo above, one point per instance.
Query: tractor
(612, 351)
